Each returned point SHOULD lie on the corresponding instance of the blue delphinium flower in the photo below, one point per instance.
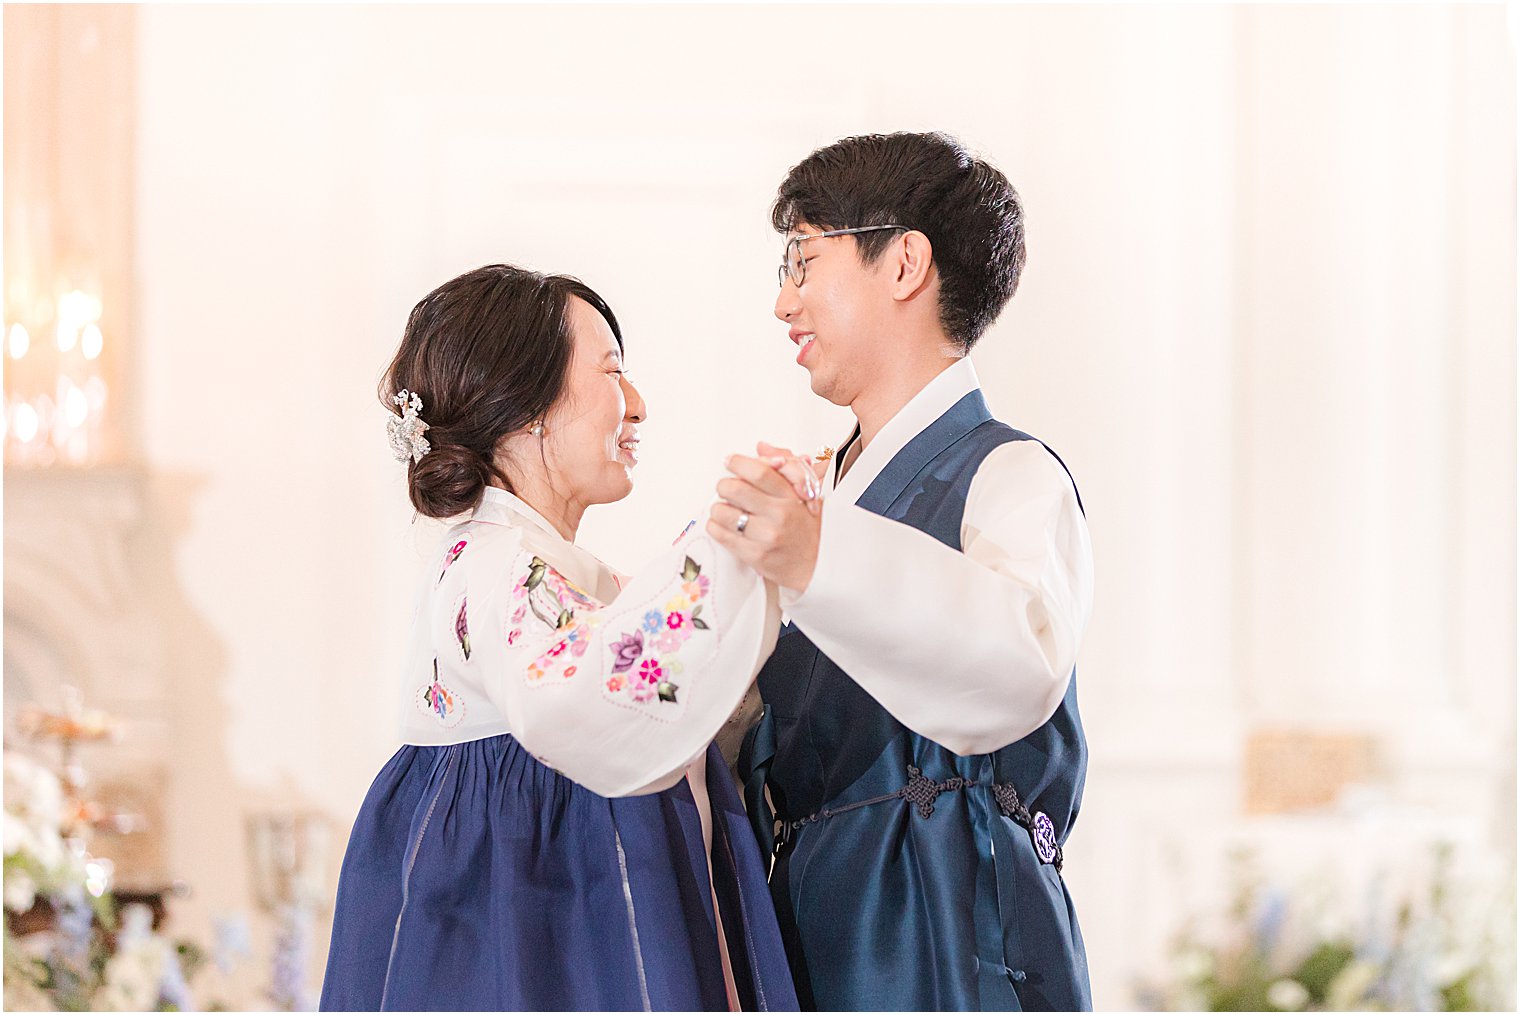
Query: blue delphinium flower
(288, 989)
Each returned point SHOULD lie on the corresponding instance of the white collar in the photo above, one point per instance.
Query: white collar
(932, 401)
(500, 507)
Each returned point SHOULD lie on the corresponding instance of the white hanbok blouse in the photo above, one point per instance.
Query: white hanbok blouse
(619, 688)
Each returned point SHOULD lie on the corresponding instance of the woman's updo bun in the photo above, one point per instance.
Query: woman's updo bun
(448, 481)
(487, 353)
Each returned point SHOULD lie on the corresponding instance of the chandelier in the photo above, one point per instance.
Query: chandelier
(56, 392)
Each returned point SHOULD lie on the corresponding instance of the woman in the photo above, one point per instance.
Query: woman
(557, 831)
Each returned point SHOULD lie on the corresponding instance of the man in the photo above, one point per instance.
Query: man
(920, 741)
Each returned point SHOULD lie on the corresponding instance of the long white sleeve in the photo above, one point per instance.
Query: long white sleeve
(619, 696)
(973, 650)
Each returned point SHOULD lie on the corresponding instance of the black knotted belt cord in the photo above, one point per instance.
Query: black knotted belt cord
(921, 792)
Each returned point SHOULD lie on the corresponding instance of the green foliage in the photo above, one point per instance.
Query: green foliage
(1319, 969)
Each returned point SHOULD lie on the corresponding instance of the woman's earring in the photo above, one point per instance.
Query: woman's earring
(537, 429)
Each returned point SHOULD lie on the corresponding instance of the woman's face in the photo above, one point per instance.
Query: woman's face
(590, 438)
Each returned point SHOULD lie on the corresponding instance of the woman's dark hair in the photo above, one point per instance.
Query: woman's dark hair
(488, 353)
(928, 182)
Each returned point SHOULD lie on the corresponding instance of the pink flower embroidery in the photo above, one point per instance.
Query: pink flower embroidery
(569, 672)
(444, 704)
(440, 699)
(521, 611)
(556, 650)
(675, 621)
(453, 555)
(641, 691)
(565, 590)
(512, 637)
(649, 670)
(615, 683)
(671, 641)
(579, 648)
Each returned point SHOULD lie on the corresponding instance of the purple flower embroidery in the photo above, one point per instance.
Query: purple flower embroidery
(1043, 831)
(462, 629)
(626, 651)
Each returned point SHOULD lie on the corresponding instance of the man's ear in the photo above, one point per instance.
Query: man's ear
(913, 257)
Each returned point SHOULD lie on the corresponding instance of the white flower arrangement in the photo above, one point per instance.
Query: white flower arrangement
(135, 975)
(37, 859)
(1443, 945)
(75, 966)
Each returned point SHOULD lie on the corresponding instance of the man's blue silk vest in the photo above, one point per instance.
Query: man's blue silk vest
(935, 896)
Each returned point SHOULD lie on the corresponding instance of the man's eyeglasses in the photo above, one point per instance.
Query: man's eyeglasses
(794, 266)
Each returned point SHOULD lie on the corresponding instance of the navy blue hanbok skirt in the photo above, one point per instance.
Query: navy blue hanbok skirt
(478, 879)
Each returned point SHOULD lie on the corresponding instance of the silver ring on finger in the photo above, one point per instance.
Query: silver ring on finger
(741, 524)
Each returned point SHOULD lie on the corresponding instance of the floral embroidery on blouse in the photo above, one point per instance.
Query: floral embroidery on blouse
(462, 629)
(452, 555)
(646, 661)
(572, 646)
(554, 600)
(441, 702)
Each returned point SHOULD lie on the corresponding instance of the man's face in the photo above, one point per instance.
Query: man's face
(838, 315)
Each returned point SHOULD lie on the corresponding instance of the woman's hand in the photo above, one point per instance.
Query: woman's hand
(764, 522)
(804, 475)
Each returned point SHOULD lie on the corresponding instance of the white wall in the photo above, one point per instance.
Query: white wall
(1268, 322)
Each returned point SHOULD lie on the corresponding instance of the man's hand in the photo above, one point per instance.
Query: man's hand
(805, 476)
(780, 537)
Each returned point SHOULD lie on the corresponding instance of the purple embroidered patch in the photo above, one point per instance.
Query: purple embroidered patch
(462, 629)
(626, 651)
(1043, 831)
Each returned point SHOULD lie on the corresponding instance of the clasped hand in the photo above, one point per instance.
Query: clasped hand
(774, 498)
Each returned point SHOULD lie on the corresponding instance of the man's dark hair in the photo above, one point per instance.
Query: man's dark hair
(488, 352)
(928, 182)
